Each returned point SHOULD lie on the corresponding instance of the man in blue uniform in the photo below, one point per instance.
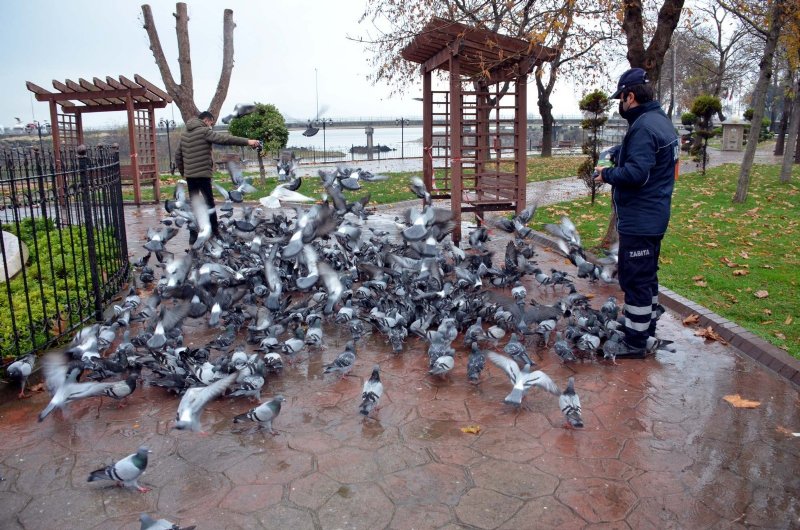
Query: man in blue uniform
(642, 186)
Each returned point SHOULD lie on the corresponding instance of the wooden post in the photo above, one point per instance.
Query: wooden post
(56, 137)
(79, 127)
(427, 130)
(151, 120)
(455, 145)
(521, 138)
(137, 192)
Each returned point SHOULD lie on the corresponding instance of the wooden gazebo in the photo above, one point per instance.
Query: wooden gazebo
(475, 133)
(139, 98)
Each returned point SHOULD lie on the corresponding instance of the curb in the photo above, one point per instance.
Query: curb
(746, 342)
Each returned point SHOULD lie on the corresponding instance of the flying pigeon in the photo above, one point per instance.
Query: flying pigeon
(372, 392)
(126, 471)
(522, 380)
(195, 399)
(263, 414)
(241, 109)
(570, 405)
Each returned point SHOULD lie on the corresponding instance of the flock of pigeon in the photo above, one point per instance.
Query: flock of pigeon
(269, 280)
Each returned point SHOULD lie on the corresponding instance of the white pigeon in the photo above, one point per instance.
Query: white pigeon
(281, 193)
(372, 392)
(522, 380)
(148, 523)
(126, 471)
(263, 414)
(195, 399)
(570, 405)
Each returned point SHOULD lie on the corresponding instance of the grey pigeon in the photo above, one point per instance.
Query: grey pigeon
(344, 361)
(241, 109)
(475, 363)
(522, 380)
(442, 365)
(570, 405)
(195, 399)
(126, 471)
(372, 392)
(148, 523)
(20, 370)
(516, 350)
(263, 414)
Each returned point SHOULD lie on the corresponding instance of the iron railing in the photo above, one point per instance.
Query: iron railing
(68, 214)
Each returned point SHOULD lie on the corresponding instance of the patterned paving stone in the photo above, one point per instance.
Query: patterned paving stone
(356, 506)
(484, 508)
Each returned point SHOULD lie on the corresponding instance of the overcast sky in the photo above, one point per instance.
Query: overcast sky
(286, 52)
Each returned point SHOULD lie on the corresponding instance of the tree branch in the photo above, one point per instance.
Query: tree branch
(227, 63)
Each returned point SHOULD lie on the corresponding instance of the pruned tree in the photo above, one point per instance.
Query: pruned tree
(704, 107)
(594, 106)
(183, 93)
(266, 123)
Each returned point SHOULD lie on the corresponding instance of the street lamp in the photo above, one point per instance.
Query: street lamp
(166, 124)
(324, 122)
(39, 126)
(402, 122)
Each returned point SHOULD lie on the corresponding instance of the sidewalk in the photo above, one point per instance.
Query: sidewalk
(662, 448)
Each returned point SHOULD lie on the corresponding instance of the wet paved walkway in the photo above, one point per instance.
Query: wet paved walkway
(661, 447)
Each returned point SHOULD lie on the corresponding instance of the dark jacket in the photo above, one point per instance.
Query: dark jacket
(193, 155)
(645, 176)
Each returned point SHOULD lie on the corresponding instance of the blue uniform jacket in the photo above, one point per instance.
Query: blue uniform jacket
(645, 176)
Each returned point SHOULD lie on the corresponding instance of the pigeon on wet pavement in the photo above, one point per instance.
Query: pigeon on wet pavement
(344, 361)
(372, 392)
(125, 472)
(20, 370)
(263, 414)
(148, 523)
(570, 405)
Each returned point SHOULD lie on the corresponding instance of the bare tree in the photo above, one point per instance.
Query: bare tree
(774, 18)
(183, 93)
(791, 137)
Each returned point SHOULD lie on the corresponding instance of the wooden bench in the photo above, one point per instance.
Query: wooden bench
(566, 144)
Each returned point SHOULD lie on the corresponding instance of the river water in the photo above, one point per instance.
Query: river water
(344, 138)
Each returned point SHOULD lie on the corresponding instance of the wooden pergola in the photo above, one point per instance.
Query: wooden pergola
(474, 143)
(139, 98)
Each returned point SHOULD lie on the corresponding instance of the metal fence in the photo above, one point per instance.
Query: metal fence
(68, 215)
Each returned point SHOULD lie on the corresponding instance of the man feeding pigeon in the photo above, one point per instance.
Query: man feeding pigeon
(642, 193)
(194, 161)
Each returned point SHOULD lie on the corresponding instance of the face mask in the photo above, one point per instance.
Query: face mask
(622, 111)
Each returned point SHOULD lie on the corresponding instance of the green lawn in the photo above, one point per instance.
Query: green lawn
(721, 254)
(393, 190)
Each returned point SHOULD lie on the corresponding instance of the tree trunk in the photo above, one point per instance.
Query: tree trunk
(765, 71)
(261, 171)
(651, 58)
(546, 111)
(611, 230)
(183, 93)
(787, 111)
(791, 137)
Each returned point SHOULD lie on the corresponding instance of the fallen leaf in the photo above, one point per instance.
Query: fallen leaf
(761, 294)
(700, 283)
(38, 387)
(697, 278)
(740, 403)
(727, 262)
(780, 335)
(589, 295)
(741, 272)
(768, 311)
(744, 255)
(692, 319)
(712, 245)
(768, 266)
(471, 429)
(709, 334)
(788, 321)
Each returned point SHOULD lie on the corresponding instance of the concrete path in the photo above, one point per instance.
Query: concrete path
(661, 448)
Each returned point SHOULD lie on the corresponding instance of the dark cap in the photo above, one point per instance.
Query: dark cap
(633, 77)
